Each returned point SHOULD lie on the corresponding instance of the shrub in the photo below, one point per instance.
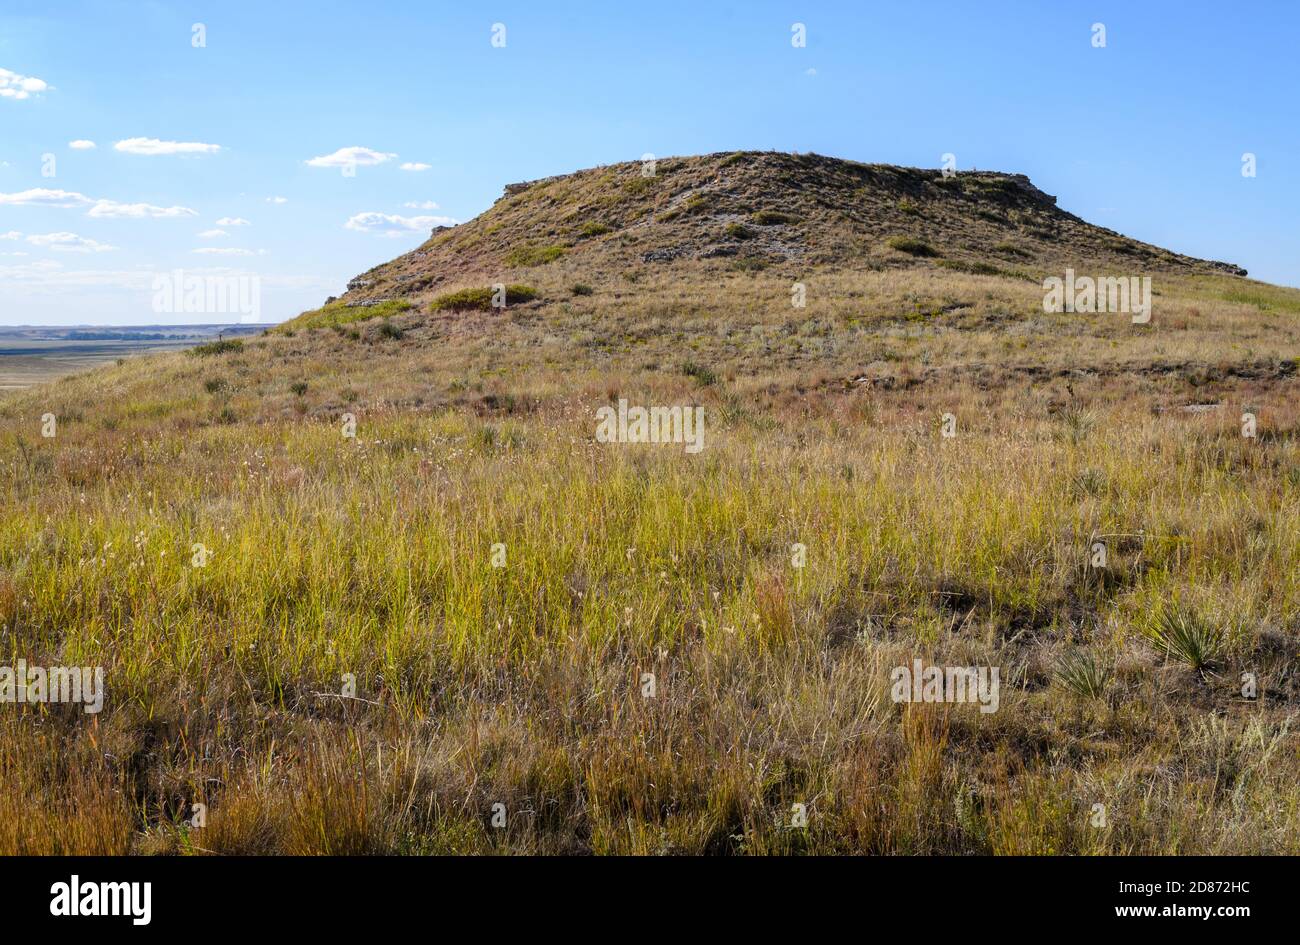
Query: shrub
(774, 218)
(582, 289)
(911, 245)
(975, 268)
(907, 206)
(533, 255)
(593, 228)
(337, 314)
(388, 330)
(637, 185)
(480, 300)
(739, 231)
(215, 385)
(701, 373)
(298, 387)
(220, 346)
(695, 203)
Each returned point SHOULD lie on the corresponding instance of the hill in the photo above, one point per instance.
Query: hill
(697, 217)
(376, 582)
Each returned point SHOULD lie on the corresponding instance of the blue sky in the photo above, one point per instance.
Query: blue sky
(1145, 136)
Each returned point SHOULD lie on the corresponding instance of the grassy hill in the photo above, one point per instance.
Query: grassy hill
(473, 602)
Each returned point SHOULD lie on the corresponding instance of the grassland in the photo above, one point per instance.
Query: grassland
(372, 559)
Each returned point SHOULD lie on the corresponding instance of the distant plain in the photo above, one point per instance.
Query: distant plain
(33, 355)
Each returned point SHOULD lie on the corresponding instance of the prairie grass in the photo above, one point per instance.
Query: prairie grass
(462, 605)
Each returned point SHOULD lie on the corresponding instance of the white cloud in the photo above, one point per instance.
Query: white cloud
(11, 235)
(389, 224)
(99, 209)
(81, 144)
(232, 221)
(42, 277)
(47, 275)
(415, 166)
(421, 205)
(113, 209)
(351, 157)
(212, 234)
(153, 147)
(69, 243)
(41, 197)
(15, 86)
(277, 199)
(222, 251)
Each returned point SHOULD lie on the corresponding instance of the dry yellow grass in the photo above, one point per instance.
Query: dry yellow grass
(370, 559)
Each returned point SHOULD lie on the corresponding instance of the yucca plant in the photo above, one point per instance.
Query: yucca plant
(1185, 636)
(1078, 423)
(1082, 674)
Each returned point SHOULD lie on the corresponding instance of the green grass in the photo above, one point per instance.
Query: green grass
(481, 299)
(372, 558)
(1267, 298)
(911, 246)
(774, 218)
(533, 255)
(338, 314)
(213, 348)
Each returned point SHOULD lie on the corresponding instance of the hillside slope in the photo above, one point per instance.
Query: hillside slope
(758, 210)
(362, 582)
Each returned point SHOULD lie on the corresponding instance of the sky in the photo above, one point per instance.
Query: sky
(295, 145)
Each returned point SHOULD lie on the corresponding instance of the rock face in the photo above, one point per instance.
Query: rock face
(765, 210)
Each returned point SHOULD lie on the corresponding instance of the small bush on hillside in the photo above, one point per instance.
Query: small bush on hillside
(911, 245)
(637, 185)
(1010, 249)
(480, 300)
(533, 255)
(388, 330)
(975, 268)
(739, 231)
(695, 203)
(582, 289)
(298, 387)
(220, 346)
(337, 314)
(701, 373)
(594, 228)
(774, 218)
(907, 206)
